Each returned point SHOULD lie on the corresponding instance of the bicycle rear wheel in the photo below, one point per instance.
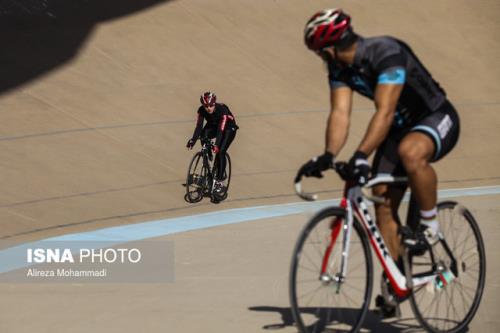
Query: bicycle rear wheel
(322, 300)
(196, 179)
(450, 303)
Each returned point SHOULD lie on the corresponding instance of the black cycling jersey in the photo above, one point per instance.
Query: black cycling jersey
(219, 121)
(386, 60)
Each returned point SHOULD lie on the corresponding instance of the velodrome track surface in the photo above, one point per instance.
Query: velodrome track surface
(98, 141)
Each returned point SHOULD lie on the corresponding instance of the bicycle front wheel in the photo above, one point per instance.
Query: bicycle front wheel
(450, 303)
(196, 179)
(322, 298)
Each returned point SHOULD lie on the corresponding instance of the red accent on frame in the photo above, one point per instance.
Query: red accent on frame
(343, 203)
(336, 224)
(399, 292)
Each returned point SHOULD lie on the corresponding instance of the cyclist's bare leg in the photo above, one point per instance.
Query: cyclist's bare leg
(416, 150)
(387, 216)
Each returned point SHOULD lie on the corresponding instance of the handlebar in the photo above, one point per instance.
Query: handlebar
(340, 168)
(303, 195)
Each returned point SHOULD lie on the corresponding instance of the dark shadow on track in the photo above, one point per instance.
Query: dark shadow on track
(372, 322)
(39, 35)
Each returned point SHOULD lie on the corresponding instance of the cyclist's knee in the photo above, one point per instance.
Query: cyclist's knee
(415, 153)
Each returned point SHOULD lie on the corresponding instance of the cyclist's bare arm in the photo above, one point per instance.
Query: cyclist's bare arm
(338, 121)
(386, 99)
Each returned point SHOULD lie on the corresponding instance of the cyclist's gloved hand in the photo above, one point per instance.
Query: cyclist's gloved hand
(215, 149)
(316, 166)
(190, 144)
(359, 168)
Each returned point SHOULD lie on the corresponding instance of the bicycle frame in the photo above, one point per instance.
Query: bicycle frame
(206, 151)
(354, 202)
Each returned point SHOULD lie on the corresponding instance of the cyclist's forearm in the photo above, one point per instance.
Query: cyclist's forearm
(196, 134)
(197, 129)
(218, 138)
(337, 131)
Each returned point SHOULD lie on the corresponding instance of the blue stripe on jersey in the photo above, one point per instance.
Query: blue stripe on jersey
(392, 76)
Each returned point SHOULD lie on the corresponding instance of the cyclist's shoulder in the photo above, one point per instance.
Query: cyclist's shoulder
(377, 54)
(375, 48)
(223, 107)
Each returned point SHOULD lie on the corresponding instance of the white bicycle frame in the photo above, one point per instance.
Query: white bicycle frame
(354, 202)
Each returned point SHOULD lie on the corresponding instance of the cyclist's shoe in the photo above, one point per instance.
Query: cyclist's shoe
(218, 187)
(431, 236)
(420, 240)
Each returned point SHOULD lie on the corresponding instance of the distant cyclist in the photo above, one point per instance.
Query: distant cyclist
(221, 125)
(414, 123)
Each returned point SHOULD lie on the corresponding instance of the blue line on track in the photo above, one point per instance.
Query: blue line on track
(15, 257)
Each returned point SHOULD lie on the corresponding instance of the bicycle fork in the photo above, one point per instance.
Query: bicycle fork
(337, 225)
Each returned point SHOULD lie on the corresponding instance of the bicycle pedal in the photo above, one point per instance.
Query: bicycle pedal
(405, 231)
(387, 310)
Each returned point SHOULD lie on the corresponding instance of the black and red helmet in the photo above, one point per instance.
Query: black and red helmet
(327, 28)
(208, 99)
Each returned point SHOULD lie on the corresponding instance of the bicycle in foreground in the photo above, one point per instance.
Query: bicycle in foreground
(331, 276)
(201, 180)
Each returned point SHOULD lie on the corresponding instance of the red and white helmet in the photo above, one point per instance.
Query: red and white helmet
(325, 28)
(208, 99)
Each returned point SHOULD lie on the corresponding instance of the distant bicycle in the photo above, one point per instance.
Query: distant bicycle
(200, 178)
(331, 276)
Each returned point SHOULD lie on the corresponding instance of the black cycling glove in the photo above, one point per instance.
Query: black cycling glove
(316, 166)
(359, 168)
(190, 144)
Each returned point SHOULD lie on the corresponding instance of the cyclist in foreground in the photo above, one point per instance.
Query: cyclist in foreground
(413, 126)
(221, 125)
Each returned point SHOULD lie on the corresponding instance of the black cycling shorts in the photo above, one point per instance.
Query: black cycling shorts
(442, 126)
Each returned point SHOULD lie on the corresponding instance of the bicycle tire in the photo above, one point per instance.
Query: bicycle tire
(433, 322)
(323, 317)
(196, 181)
